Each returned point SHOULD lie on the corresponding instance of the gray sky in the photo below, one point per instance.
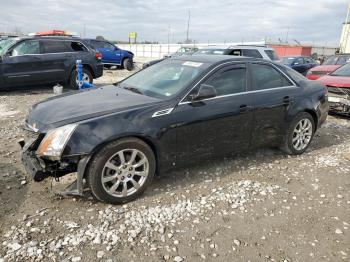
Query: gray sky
(316, 21)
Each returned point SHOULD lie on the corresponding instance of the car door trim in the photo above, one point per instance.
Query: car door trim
(245, 92)
(240, 93)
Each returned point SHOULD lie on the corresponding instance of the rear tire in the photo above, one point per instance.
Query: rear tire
(128, 64)
(299, 134)
(121, 171)
(73, 78)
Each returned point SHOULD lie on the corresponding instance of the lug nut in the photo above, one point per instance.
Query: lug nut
(124, 166)
(123, 177)
(129, 175)
(130, 169)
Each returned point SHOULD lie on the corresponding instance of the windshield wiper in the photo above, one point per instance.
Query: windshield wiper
(132, 89)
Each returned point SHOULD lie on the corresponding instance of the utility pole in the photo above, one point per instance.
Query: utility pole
(188, 25)
(287, 35)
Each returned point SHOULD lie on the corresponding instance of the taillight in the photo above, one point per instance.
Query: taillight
(98, 55)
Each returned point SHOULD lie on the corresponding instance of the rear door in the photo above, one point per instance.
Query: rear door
(57, 56)
(274, 93)
(23, 64)
(219, 125)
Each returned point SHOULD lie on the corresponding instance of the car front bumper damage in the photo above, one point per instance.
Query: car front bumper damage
(39, 169)
(339, 103)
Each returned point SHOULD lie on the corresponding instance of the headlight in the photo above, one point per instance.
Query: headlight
(55, 140)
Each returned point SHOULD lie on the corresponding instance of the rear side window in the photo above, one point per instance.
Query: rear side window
(271, 54)
(236, 52)
(52, 46)
(28, 47)
(252, 53)
(299, 61)
(77, 46)
(266, 77)
(230, 80)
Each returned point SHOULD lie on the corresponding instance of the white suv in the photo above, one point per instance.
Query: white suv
(256, 51)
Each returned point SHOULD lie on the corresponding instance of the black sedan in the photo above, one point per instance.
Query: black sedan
(177, 112)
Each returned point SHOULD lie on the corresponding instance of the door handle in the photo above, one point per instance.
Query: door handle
(245, 108)
(287, 100)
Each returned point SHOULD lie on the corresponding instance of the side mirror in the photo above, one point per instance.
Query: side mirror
(204, 92)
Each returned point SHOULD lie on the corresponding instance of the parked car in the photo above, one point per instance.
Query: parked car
(181, 51)
(44, 60)
(338, 84)
(111, 54)
(262, 52)
(255, 51)
(177, 112)
(301, 64)
(184, 50)
(329, 65)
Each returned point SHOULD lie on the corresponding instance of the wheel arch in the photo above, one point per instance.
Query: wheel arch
(144, 139)
(314, 116)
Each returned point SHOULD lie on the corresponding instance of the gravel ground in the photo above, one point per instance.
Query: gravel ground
(258, 206)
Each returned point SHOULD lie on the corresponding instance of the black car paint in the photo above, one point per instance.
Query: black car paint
(192, 130)
(44, 68)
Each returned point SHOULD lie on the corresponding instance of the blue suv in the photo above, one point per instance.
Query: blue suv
(111, 54)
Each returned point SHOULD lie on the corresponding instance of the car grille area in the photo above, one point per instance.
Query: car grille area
(32, 138)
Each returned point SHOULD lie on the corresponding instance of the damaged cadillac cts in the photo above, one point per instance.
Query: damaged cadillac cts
(177, 112)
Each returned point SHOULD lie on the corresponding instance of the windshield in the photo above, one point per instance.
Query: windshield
(332, 60)
(5, 44)
(342, 71)
(164, 79)
(211, 52)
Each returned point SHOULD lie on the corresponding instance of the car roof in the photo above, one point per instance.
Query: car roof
(224, 47)
(51, 38)
(212, 59)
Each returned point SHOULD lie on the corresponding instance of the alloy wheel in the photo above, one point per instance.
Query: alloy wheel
(86, 78)
(302, 134)
(125, 172)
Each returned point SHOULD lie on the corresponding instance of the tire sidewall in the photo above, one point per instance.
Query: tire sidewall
(292, 126)
(97, 164)
(127, 64)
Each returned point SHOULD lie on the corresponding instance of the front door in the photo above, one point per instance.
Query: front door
(23, 64)
(219, 125)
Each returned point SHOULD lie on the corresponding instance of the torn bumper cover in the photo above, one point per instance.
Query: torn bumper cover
(39, 169)
(339, 103)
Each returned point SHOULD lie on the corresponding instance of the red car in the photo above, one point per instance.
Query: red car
(338, 84)
(328, 66)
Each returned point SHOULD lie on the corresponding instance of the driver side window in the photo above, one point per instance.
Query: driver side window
(230, 80)
(28, 47)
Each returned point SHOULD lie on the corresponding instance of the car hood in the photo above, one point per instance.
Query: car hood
(325, 68)
(335, 81)
(77, 106)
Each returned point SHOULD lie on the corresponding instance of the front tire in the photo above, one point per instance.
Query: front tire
(121, 171)
(299, 134)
